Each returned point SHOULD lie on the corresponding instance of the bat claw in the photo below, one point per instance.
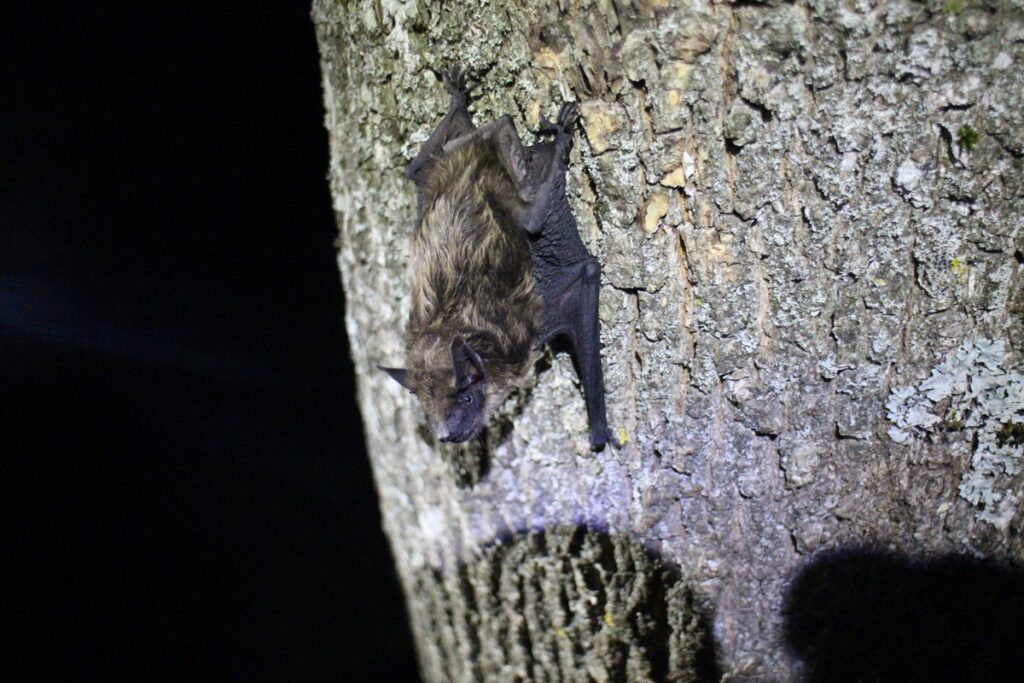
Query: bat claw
(455, 81)
(563, 122)
(566, 120)
(567, 116)
(545, 125)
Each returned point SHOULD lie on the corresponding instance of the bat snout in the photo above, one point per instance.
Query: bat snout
(453, 437)
(458, 429)
(453, 433)
(442, 433)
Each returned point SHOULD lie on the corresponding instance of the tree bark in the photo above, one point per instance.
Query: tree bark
(809, 220)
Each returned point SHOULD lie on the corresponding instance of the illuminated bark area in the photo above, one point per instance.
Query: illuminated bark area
(801, 211)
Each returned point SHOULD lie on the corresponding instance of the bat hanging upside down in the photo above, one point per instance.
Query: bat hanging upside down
(498, 270)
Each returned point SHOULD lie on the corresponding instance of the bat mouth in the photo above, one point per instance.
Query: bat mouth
(457, 438)
(462, 436)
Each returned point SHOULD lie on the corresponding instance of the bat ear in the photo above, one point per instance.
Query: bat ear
(466, 363)
(400, 375)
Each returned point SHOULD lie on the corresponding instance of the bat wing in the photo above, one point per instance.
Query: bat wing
(570, 311)
(568, 277)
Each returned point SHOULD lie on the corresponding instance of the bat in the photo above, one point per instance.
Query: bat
(498, 270)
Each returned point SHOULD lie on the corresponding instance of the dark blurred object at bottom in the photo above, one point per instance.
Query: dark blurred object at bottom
(867, 615)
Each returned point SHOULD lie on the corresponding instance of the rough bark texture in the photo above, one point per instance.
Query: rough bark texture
(809, 217)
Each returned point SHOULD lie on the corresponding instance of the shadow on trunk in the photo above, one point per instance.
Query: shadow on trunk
(866, 615)
(563, 604)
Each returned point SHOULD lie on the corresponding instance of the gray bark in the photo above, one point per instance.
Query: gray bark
(809, 217)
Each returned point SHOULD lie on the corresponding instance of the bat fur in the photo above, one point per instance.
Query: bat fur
(498, 269)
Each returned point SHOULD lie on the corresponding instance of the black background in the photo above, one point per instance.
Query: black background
(183, 456)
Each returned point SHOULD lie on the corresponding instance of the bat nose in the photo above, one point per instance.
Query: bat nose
(442, 433)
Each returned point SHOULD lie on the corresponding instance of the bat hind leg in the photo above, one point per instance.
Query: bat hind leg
(456, 123)
(504, 140)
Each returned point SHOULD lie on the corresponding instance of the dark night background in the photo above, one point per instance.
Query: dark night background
(182, 451)
(185, 489)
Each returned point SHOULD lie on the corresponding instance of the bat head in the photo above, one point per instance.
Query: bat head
(465, 415)
(453, 396)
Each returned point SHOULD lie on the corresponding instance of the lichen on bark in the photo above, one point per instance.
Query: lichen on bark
(798, 206)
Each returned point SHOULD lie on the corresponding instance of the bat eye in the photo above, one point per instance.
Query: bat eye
(467, 399)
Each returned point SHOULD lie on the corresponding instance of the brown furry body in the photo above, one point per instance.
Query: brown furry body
(471, 276)
(498, 270)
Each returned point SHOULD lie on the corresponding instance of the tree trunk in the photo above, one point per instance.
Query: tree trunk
(809, 220)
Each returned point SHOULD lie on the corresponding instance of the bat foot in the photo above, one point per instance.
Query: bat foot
(567, 117)
(455, 81)
(563, 122)
(563, 137)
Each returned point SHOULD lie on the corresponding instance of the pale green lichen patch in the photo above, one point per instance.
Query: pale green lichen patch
(967, 137)
(960, 269)
(971, 391)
